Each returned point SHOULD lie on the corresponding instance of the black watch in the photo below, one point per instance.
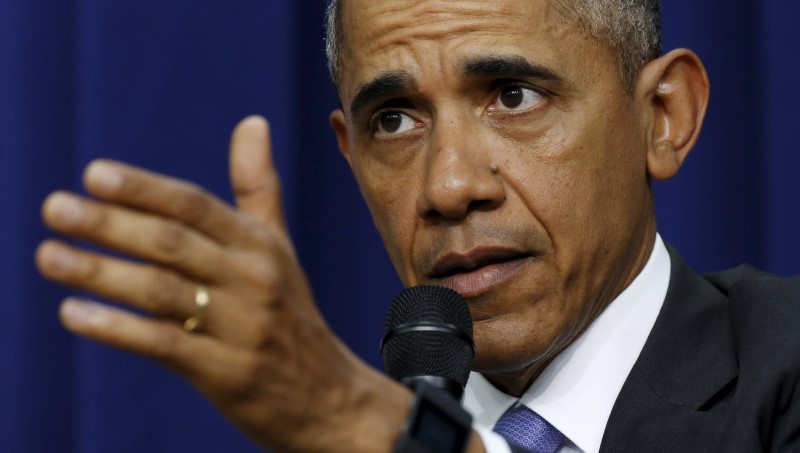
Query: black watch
(436, 424)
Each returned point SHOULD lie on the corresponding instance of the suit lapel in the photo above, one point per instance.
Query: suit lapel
(686, 368)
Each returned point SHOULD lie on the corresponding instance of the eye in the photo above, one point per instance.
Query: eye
(516, 98)
(393, 123)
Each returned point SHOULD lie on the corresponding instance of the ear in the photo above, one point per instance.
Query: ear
(675, 89)
(339, 124)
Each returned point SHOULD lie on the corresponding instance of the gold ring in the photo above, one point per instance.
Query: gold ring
(201, 299)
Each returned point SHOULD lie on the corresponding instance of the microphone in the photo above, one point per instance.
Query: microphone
(428, 337)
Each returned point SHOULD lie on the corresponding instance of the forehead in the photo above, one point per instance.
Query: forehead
(432, 37)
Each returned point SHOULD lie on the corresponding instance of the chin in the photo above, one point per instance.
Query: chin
(497, 357)
(508, 347)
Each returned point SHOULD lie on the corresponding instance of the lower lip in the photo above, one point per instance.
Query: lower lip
(483, 279)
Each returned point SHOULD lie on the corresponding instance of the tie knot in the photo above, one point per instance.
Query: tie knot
(525, 428)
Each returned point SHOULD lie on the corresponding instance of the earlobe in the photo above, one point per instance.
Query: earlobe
(676, 88)
(339, 124)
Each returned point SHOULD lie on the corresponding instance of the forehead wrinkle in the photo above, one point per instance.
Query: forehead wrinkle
(394, 13)
(425, 43)
(432, 31)
(431, 19)
(422, 37)
(393, 23)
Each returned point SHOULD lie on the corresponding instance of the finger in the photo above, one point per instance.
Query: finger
(255, 182)
(200, 358)
(165, 196)
(155, 290)
(148, 288)
(143, 235)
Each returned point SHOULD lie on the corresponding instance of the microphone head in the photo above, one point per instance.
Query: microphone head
(428, 332)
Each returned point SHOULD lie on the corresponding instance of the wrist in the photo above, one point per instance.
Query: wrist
(381, 406)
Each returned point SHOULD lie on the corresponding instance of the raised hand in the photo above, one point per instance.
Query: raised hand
(260, 350)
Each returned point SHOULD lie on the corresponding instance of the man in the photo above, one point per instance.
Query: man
(506, 150)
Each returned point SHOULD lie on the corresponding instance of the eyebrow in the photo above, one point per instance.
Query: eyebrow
(386, 85)
(511, 67)
(393, 83)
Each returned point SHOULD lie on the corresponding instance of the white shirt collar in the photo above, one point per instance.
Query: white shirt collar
(577, 390)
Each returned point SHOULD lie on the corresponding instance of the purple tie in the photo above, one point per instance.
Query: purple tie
(525, 428)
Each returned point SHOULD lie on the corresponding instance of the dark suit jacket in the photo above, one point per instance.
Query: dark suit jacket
(719, 371)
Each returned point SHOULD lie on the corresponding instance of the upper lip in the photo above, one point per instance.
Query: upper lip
(453, 263)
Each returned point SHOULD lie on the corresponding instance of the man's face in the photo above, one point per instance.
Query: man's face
(499, 156)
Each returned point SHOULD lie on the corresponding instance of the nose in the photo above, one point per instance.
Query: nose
(460, 177)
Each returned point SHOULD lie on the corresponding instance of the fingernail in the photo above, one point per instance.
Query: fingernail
(59, 259)
(103, 176)
(67, 209)
(76, 314)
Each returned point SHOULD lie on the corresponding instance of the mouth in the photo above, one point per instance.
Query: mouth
(478, 271)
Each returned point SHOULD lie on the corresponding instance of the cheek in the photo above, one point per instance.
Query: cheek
(581, 178)
(391, 201)
(553, 182)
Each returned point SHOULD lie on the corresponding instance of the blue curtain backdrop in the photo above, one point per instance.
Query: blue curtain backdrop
(160, 83)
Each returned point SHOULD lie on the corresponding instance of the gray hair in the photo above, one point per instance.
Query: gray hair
(630, 28)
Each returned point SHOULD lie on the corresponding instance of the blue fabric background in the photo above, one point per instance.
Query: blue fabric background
(160, 83)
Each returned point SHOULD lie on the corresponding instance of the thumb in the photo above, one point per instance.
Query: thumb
(255, 182)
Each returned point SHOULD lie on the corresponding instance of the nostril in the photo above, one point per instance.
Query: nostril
(438, 213)
(484, 205)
